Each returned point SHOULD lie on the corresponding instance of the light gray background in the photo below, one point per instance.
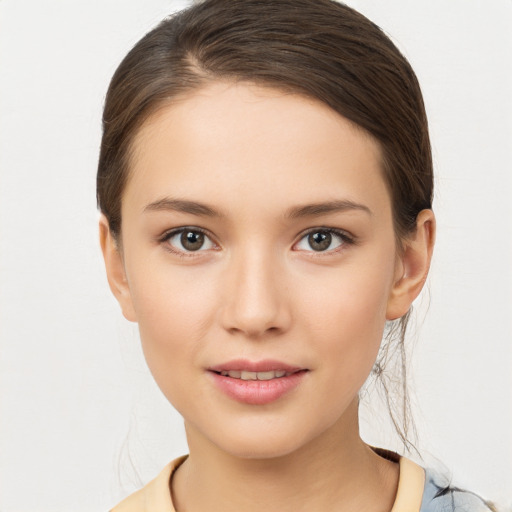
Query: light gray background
(76, 401)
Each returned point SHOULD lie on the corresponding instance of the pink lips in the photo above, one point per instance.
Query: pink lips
(271, 386)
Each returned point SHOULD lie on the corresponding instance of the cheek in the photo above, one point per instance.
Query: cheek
(170, 298)
(347, 318)
(175, 310)
(353, 298)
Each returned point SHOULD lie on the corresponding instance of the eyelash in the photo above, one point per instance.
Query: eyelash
(168, 235)
(346, 239)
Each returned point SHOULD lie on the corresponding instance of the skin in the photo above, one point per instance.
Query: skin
(257, 290)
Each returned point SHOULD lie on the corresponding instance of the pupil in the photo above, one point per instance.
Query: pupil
(320, 241)
(192, 240)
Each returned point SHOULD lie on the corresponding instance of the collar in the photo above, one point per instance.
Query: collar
(156, 495)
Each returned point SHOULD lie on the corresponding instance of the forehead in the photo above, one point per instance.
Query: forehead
(231, 139)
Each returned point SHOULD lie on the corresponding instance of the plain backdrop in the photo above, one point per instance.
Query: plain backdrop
(81, 422)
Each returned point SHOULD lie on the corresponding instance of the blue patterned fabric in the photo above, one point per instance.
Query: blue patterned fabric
(440, 496)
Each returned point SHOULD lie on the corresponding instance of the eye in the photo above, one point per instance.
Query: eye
(323, 240)
(188, 240)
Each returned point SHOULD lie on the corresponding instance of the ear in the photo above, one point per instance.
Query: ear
(114, 265)
(412, 266)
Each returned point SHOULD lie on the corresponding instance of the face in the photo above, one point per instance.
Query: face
(259, 260)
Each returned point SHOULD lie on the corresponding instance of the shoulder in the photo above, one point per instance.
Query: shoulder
(154, 496)
(440, 496)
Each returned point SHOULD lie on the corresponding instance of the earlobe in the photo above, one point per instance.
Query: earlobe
(413, 266)
(114, 267)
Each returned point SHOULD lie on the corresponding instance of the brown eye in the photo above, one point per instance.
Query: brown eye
(187, 240)
(323, 240)
(192, 240)
(319, 241)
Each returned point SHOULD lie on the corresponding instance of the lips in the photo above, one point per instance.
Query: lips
(245, 375)
(267, 365)
(256, 383)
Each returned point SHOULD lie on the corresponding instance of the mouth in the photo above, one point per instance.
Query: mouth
(247, 375)
(256, 383)
(255, 370)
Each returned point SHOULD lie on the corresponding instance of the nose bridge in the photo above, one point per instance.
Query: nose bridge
(256, 301)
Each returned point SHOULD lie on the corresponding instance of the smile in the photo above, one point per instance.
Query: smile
(256, 383)
(246, 375)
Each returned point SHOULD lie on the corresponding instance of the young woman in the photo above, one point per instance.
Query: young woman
(265, 182)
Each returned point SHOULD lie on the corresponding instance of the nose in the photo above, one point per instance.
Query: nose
(256, 302)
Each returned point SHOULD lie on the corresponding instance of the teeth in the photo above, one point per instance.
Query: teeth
(245, 375)
(266, 375)
(249, 375)
(234, 374)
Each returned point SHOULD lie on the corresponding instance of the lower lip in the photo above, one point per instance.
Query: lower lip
(258, 392)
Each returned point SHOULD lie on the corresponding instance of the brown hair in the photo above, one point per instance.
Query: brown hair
(318, 48)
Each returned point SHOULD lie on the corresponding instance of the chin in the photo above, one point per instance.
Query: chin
(263, 441)
(260, 448)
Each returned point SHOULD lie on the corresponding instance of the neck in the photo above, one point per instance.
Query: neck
(335, 472)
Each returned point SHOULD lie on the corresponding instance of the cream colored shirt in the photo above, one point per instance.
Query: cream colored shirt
(156, 496)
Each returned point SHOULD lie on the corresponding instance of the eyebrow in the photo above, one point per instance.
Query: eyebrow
(307, 210)
(182, 205)
(324, 208)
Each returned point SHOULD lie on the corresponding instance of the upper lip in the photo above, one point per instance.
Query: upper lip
(267, 365)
